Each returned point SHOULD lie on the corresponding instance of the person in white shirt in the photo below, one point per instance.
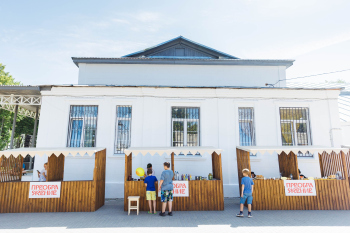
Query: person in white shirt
(43, 174)
(149, 166)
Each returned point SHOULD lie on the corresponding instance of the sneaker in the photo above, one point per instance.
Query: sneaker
(240, 215)
(170, 213)
(162, 214)
(250, 215)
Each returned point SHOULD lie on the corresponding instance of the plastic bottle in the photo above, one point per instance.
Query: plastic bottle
(291, 176)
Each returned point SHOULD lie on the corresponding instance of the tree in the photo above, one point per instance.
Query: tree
(6, 78)
(6, 117)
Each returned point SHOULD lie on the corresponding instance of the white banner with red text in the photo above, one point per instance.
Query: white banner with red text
(180, 188)
(299, 187)
(45, 190)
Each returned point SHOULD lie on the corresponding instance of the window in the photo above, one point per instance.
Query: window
(185, 126)
(82, 126)
(122, 129)
(246, 127)
(295, 126)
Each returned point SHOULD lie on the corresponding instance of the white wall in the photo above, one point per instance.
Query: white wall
(345, 126)
(180, 75)
(151, 126)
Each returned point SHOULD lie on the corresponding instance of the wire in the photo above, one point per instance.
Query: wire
(307, 76)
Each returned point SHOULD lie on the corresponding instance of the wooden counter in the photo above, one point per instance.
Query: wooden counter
(203, 195)
(331, 195)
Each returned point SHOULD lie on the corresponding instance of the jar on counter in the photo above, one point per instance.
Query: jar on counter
(210, 176)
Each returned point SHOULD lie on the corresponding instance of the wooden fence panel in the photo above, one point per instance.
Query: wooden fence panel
(288, 164)
(331, 195)
(55, 169)
(243, 161)
(100, 178)
(14, 198)
(11, 168)
(332, 163)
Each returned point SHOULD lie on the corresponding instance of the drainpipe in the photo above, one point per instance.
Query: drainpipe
(13, 126)
(331, 135)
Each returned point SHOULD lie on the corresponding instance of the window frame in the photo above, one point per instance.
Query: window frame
(252, 123)
(82, 118)
(293, 123)
(116, 130)
(185, 121)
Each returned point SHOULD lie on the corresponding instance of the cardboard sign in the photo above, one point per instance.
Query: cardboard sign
(45, 190)
(300, 188)
(180, 188)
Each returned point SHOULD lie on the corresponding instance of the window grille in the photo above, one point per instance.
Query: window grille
(123, 129)
(82, 126)
(295, 126)
(185, 126)
(246, 127)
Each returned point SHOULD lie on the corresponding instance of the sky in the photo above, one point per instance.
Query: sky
(38, 38)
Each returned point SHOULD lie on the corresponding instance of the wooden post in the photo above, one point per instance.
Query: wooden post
(128, 171)
(21, 164)
(172, 164)
(55, 169)
(344, 166)
(321, 164)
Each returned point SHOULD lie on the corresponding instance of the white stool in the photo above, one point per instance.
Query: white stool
(130, 207)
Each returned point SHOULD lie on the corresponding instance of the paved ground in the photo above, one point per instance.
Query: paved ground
(112, 218)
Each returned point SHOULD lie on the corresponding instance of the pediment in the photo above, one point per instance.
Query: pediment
(181, 47)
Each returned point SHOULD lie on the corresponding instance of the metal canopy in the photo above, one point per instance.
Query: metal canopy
(169, 150)
(51, 150)
(27, 98)
(288, 149)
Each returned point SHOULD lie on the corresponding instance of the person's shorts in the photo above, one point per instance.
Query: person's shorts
(166, 195)
(247, 197)
(150, 195)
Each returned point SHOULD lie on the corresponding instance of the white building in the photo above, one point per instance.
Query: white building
(183, 93)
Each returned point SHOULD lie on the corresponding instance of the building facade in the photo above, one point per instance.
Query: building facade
(181, 93)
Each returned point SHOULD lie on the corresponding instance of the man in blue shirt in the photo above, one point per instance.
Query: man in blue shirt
(247, 193)
(166, 188)
(151, 190)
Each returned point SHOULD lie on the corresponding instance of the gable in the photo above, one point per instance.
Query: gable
(181, 47)
(181, 50)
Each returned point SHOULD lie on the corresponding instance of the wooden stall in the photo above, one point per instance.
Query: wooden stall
(75, 196)
(331, 194)
(203, 194)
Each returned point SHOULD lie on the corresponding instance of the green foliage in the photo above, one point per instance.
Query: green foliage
(5, 127)
(6, 78)
(24, 125)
